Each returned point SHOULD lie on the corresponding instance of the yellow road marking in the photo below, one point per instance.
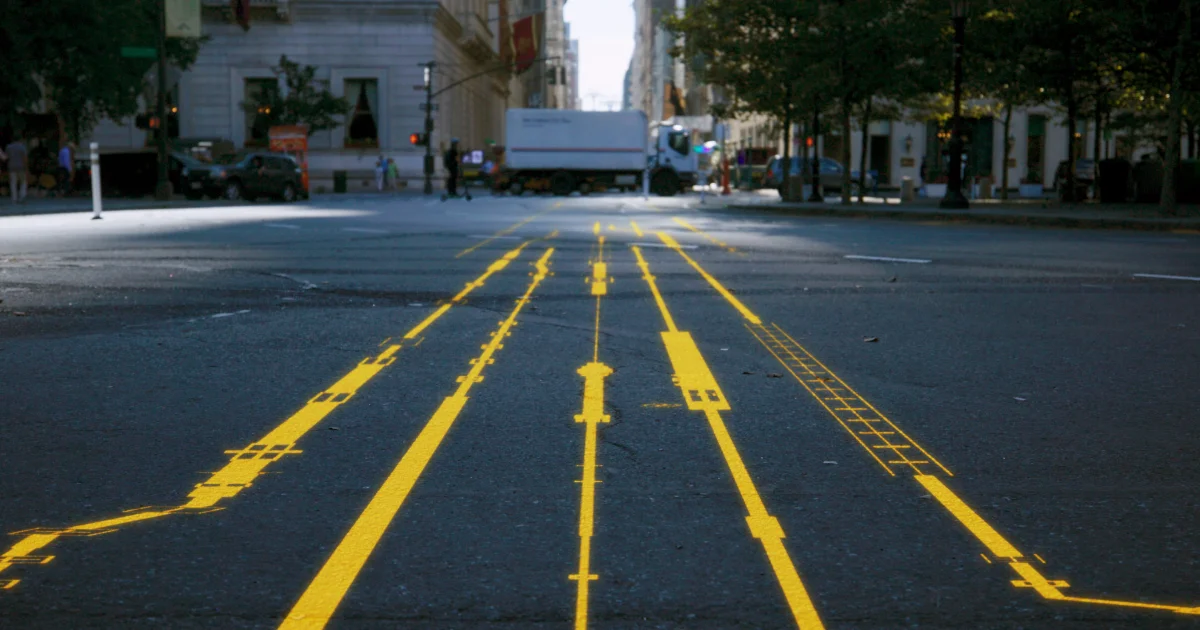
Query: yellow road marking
(719, 243)
(596, 228)
(701, 392)
(592, 415)
(636, 230)
(673, 244)
(815, 377)
(662, 405)
(320, 600)
(249, 462)
(505, 232)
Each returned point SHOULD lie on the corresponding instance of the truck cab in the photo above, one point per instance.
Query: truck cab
(673, 164)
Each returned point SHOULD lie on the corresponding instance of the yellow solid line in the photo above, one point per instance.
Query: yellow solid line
(706, 235)
(658, 299)
(596, 228)
(736, 303)
(636, 230)
(990, 538)
(701, 392)
(322, 597)
(249, 462)
(505, 232)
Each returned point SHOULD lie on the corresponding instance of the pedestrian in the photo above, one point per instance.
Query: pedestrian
(18, 169)
(66, 168)
(380, 173)
(393, 173)
(450, 162)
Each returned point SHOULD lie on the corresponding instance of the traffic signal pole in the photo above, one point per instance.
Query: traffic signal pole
(163, 191)
(429, 127)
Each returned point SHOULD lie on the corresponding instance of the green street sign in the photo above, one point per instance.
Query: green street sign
(137, 52)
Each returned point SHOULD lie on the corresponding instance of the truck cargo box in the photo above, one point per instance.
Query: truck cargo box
(551, 140)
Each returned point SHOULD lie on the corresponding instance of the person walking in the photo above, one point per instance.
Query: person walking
(450, 162)
(393, 174)
(380, 173)
(66, 168)
(18, 169)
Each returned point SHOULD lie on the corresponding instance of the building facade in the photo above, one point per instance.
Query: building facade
(372, 52)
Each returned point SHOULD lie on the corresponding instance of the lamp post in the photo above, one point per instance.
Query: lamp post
(954, 198)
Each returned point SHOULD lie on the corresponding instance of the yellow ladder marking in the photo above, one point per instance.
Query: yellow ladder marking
(636, 230)
(248, 463)
(701, 392)
(320, 600)
(815, 375)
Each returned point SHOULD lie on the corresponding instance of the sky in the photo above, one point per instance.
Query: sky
(604, 29)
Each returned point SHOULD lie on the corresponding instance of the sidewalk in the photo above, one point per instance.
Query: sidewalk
(1039, 212)
(54, 205)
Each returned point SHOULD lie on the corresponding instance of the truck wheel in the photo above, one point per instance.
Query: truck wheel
(516, 188)
(665, 184)
(562, 184)
(585, 188)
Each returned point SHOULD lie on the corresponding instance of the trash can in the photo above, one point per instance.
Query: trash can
(339, 181)
(1188, 181)
(1116, 175)
(1148, 181)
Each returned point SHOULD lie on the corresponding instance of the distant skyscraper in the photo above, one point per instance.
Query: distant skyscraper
(574, 98)
(627, 94)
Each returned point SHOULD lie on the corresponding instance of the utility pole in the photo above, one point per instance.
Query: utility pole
(429, 127)
(163, 191)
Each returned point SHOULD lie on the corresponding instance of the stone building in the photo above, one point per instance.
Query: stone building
(370, 51)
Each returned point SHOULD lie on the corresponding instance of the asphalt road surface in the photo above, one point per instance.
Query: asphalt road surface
(601, 412)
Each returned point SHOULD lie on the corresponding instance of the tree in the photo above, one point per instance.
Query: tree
(1000, 72)
(307, 101)
(68, 52)
(1159, 45)
(757, 51)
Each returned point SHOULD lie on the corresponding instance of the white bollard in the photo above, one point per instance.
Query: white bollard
(96, 204)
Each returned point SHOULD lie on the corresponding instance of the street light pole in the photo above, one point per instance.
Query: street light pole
(954, 198)
(429, 127)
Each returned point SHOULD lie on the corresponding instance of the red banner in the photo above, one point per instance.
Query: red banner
(527, 40)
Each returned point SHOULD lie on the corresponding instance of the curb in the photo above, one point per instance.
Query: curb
(1059, 221)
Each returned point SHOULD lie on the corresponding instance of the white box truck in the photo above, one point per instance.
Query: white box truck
(564, 151)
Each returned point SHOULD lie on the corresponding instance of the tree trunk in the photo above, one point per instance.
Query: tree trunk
(1069, 192)
(1191, 133)
(1096, 141)
(1008, 111)
(785, 169)
(847, 180)
(1169, 202)
(866, 147)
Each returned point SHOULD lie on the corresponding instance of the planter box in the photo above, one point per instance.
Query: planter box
(1031, 190)
(935, 191)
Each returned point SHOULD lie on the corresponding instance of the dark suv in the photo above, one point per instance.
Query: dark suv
(255, 174)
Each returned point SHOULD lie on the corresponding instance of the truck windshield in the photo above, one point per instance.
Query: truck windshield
(680, 142)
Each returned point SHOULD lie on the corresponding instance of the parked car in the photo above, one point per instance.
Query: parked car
(831, 173)
(1085, 176)
(254, 174)
(189, 176)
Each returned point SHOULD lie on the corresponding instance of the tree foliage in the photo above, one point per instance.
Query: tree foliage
(68, 54)
(1100, 62)
(306, 101)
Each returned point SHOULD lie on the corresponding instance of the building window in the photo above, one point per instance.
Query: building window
(363, 130)
(260, 94)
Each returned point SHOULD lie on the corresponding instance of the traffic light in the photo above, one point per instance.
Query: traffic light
(146, 121)
(419, 139)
